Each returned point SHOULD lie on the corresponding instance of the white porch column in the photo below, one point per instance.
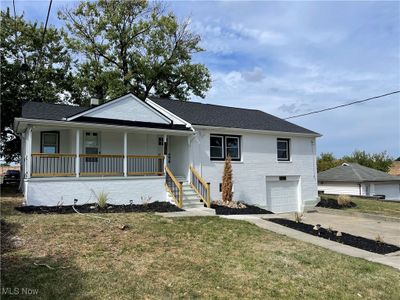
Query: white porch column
(77, 145)
(125, 154)
(28, 152)
(165, 151)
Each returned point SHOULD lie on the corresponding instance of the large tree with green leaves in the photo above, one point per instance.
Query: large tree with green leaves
(379, 161)
(34, 66)
(134, 46)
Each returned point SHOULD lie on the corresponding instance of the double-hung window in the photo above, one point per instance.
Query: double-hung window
(283, 149)
(50, 141)
(222, 146)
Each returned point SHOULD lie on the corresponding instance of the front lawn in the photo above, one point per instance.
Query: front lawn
(380, 207)
(155, 257)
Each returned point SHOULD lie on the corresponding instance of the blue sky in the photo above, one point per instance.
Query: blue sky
(287, 58)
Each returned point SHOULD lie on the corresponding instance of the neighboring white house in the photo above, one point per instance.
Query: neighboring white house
(354, 179)
(136, 150)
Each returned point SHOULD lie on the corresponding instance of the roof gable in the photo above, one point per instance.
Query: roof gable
(126, 108)
(352, 172)
(230, 117)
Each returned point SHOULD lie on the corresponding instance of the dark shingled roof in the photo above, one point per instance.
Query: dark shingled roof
(193, 112)
(197, 113)
(351, 172)
(49, 111)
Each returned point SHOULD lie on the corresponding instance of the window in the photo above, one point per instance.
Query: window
(283, 151)
(50, 141)
(223, 145)
(232, 147)
(217, 147)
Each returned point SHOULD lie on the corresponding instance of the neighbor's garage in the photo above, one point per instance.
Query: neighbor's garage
(282, 193)
(390, 190)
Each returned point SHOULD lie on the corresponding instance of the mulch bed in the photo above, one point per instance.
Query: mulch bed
(347, 239)
(93, 208)
(332, 203)
(249, 210)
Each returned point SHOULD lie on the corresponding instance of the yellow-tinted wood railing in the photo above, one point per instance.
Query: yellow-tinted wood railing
(52, 165)
(201, 187)
(60, 164)
(174, 187)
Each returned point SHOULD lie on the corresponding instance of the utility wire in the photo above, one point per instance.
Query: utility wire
(47, 20)
(342, 105)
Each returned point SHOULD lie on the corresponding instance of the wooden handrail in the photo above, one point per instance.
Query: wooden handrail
(198, 175)
(179, 201)
(206, 198)
(172, 176)
(101, 155)
(53, 155)
(146, 156)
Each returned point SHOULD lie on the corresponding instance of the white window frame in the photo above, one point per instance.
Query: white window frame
(43, 145)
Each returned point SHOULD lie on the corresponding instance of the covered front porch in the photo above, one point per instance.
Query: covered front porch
(102, 152)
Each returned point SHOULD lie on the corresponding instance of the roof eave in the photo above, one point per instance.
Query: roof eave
(269, 132)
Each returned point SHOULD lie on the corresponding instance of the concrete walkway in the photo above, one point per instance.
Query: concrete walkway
(357, 226)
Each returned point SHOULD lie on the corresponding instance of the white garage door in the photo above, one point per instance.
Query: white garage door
(391, 191)
(282, 196)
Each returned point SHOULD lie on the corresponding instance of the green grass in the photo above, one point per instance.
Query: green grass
(380, 207)
(156, 257)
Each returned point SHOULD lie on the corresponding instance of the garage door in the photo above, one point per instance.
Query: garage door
(391, 191)
(282, 196)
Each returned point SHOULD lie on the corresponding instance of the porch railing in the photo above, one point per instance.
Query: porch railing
(47, 165)
(174, 187)
(201, 187)
(60, 165)
(145, 165)
(101, 165)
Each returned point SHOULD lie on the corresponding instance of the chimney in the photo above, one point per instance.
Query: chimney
(94, 102)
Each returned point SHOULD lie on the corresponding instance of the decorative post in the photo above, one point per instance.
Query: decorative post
(208, 195)
(165, 150)
(28, 152)
(77, 145)
(125, 154)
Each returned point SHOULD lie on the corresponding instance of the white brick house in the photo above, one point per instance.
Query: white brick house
(135, 149)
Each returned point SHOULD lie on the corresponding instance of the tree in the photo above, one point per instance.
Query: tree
(227, 181)
(327, 161)
(379, 161)
(34, 66)
(134, 46)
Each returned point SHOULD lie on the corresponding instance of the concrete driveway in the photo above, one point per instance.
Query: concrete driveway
(365, 227)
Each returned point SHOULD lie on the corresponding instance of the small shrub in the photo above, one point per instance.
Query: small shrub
(145, 200)
(102, 199)
(379, 239)
(298, 217)
(344, 200)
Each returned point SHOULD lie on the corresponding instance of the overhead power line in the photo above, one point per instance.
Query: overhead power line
(342, 105)
(47, 20)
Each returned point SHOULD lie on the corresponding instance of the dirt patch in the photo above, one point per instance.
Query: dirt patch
(93, 208)
(247, 210)
(332, 203)
(343, 238)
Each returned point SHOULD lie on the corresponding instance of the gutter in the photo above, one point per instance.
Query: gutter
(268, 132)
(95, 125)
